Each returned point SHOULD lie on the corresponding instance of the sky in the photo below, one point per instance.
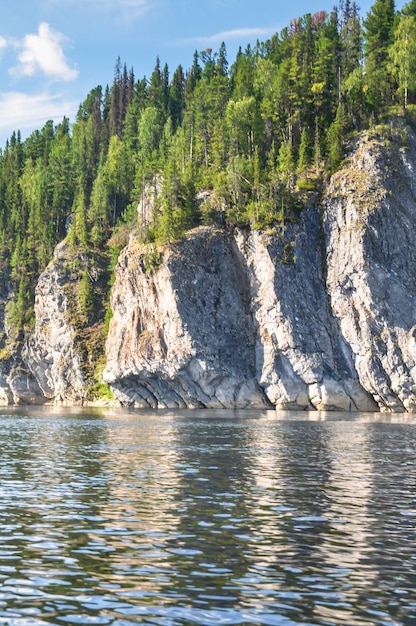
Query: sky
(53, 52)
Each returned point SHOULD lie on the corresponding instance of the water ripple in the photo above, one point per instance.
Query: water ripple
(120, 518)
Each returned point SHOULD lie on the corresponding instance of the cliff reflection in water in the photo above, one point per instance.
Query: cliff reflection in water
(126, 517)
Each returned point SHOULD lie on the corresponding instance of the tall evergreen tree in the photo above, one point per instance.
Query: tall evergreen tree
(177, 97)
(378, 37)
(403, 57)
(194, 75)
(409, 8)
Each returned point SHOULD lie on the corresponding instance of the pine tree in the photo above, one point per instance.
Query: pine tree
(78, 235)
(351, 39)
(155, 87)
(304, 157)
(403, 57)
(222, 63)
(378, 36)
(193, 76)
(177, 97)
(378, 30)
(115, 114)
(336, 138)
(99, 209)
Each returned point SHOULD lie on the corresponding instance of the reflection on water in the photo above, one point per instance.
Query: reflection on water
(206, 517)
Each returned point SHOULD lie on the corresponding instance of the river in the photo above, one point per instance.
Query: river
(129, 517)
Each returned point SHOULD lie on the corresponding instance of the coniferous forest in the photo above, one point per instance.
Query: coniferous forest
(246, 142)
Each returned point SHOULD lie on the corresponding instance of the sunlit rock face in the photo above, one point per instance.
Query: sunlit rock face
(302, 361)
(370, 225)
(51, 352)
(17, 383)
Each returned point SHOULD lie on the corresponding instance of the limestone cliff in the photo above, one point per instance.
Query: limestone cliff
(182, 334)
(17, 385)
(229, 319)
(316, 315)
(370, 225)
(56, 362)
(51, 351)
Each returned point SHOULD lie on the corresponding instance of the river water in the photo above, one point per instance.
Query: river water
(206, 517)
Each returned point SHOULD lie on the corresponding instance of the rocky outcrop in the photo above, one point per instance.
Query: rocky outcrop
(370, 224)
(232, 320)
(51, 352)
(17, 384)
(181, 335)
(302, 362)
(319, 314)
(53, 364)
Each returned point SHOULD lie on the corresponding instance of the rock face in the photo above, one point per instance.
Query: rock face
(318, 315)
(51, 353)
(182, 334)
(50, 364)
(17, 385)
(302, 362)
(370, 222)
(231, 320)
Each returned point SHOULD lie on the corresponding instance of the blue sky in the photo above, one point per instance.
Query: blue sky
(53, 52)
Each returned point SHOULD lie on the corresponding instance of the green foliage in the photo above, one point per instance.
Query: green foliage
(336, 138)
(288, 253)
(378, 34)
(402, 55)
(99, 391)
(152, 258)
(86, 294)
(19, 309)
(306, 184)
(78, 234)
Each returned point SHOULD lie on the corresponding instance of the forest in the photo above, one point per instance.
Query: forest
(246, 143)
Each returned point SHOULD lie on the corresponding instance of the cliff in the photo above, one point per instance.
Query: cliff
(369, 224)
(316, 315)
(228, 320)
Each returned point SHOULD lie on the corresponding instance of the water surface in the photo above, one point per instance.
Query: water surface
(206, 517)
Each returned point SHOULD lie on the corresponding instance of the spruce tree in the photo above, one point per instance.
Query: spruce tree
(403, 57)
(378, 36)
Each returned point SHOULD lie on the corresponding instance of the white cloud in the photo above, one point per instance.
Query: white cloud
(226, 35)
(43, 53)
(20, 111)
